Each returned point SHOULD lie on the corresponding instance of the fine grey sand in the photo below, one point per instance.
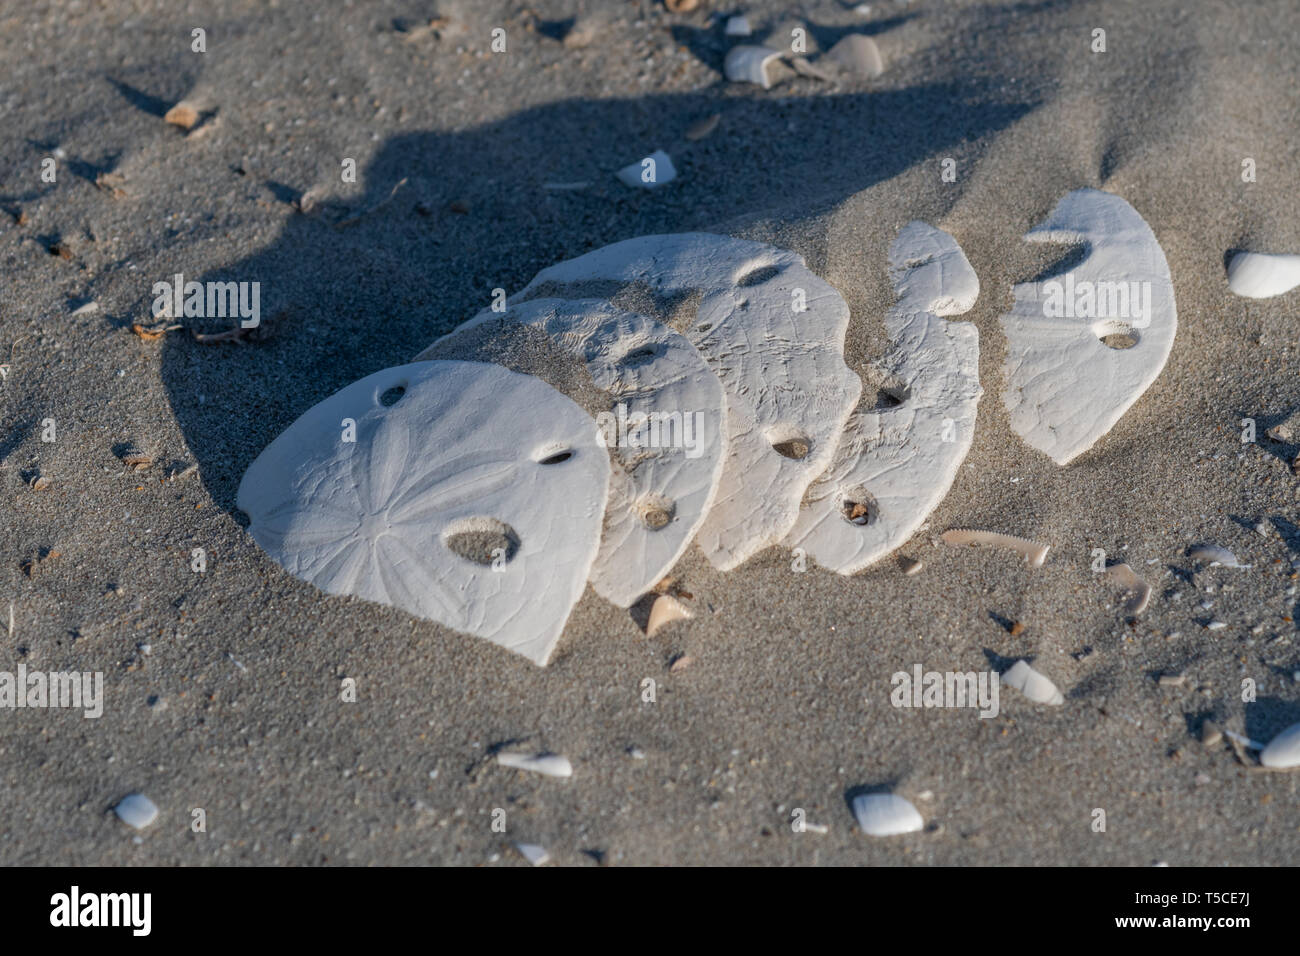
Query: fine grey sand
(236, 707)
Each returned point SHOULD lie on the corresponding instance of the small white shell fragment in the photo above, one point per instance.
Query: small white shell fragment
(896, 464)
(466, 451)
(1139, 590)
(1283, 751)
(136, 810)
(1034, 553)
(88, 308)
(1065, 387)
(1032, 684)
(1213, 554)
(789, 393)
(1215, 626)
(665, 610)
(886, 814)
(666, 434)
(653, 171)
(550, 765)
(858, 54)
(738, 26)
(748, 64)
(534, 854)
(1259, 275)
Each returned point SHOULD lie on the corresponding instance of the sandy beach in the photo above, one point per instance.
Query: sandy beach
(223, 688)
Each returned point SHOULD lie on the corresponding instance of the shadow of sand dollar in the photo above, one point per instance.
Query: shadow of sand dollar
(445, 218)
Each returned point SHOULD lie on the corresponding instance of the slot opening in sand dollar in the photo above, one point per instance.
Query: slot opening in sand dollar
(789, 442)
(655, 511)
(482, 540)
(756, 275)
(553, 455)
(859, 506)
(390, 397)
(1115, 334)
(642, 356)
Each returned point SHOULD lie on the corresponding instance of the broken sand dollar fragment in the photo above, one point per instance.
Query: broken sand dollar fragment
(773, 333)
(457, 491)
(1084, 345)
(665, 430)
(896, 462)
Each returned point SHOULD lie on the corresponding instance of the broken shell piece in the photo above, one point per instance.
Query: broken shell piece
(136, 810)
(666, 435)
(457, 491)
(653, 171)
(748, 64)
(894, 465)
(1283, 751)
(183, 115)
(1032, 684)
(1211, 735)
(773, 333)
(1212, 554)
(550, 765)
(805, 68)
(665, 610)
(534, 854)
(886, 814)
(1082, 347)
(738, 26)
(1139, 590)
(1287, 430)
(1259, 275)
(858, 54)
(1034, 552)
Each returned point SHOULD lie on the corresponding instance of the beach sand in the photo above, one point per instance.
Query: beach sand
(236, 707)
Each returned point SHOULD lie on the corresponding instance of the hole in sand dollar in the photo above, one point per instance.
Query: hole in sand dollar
(553, 455)
(789, 442)
(757, 275)
(655, 511)
(392, 396)
(641, 356)
(482, 540)
(859, 506)
(1116, 335)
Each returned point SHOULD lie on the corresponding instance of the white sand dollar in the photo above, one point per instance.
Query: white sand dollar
(894, 465)
(886, 814)
(1065, 386)
(666, 432)
(773, 333)
(470, 457)
(1260, 275)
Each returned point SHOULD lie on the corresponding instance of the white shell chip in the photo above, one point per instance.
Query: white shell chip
(363, 496)
(1283, 751)
(897, 463)
(1032, 684)
(886, 814)
(1065, 386)
(549, 765)
(136, 810)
